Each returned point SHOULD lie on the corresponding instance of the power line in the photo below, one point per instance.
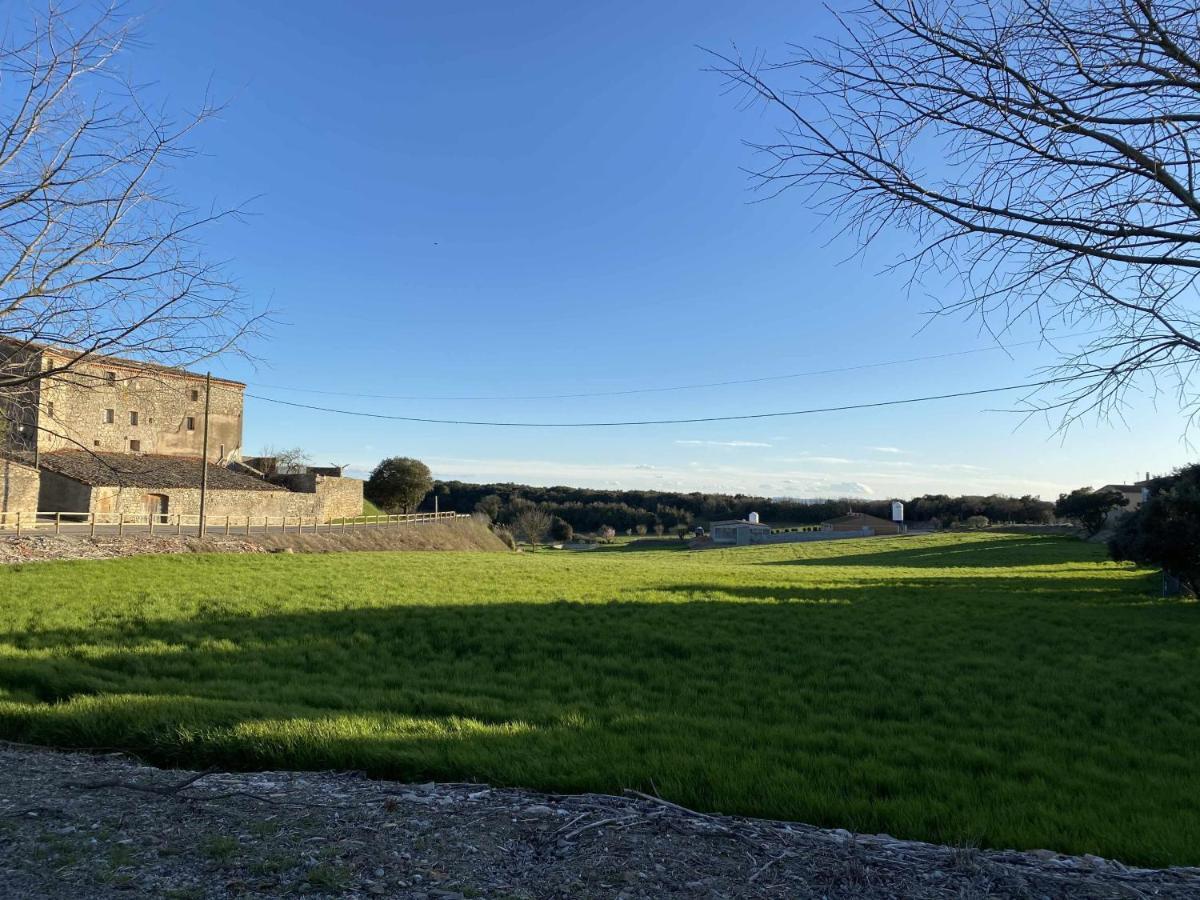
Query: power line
(700, 419)
(678, 387)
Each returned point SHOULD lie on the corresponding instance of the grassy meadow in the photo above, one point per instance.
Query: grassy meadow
(986, 689)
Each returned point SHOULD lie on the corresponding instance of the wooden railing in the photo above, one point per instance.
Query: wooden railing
(182, 523)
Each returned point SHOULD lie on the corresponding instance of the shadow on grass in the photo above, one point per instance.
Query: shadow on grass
(1016, 718)
(992, 553)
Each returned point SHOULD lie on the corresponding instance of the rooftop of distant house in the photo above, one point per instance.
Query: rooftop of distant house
(147, 470)
(116, 362)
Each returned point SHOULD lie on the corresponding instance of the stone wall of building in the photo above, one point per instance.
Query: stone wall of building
(108, 407)
(18, 489)
(332, 498)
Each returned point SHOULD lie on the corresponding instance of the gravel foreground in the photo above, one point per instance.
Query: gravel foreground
(82, 825)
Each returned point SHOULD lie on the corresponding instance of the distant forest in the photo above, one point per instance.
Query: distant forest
(589, 509)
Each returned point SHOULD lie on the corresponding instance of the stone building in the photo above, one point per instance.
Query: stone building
(116, 436)
(137, 485)
(112, 405)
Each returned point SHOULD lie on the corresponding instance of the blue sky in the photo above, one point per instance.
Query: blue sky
(477, 199)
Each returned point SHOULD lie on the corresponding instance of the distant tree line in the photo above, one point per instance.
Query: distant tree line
(591, 509)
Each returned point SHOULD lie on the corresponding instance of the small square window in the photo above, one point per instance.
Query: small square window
(135, 446)
(111, 377)
(133, 417)
(195, 395)
(50, 409)
(110, 416)
(191, 423)
(95, 443)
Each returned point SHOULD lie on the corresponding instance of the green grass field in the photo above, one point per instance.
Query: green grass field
(996, 690)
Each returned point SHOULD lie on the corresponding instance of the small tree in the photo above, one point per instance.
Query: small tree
(1165, 530)
(606, 533)
(1089, 508)
(399, 484)
(532, 523)
(287, 459)
(659, 529)
(977, 521)
(640, 529)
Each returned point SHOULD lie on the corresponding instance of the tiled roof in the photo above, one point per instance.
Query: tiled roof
(147, 471)
(100, 359)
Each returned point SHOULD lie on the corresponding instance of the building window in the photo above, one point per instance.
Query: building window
(110, 416)
(195, 395)
(135, 446)
(111, 377)
(191, 423)
(95, 443)
(133, 417)
(50, 409)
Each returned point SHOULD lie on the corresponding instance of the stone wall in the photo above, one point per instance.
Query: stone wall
(332, 498)
(18, 488)
(74, 413)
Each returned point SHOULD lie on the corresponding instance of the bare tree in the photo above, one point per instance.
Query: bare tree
(1044, 154)
(532, 523)
(96, 255)
(287, 459)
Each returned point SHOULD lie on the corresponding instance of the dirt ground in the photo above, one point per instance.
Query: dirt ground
(465, 534)
(102, 825)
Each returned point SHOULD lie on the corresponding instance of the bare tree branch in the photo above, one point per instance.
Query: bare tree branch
(97, 257)
(1043, 155)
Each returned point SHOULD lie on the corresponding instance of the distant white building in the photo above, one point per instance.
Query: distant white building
(740, 532)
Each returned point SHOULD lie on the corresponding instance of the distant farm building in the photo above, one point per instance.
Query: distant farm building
(861, 523)
(740, 532)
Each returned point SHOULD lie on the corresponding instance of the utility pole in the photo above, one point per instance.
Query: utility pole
(204, 452)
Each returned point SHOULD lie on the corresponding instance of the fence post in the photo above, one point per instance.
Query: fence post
(120, 524)
(18, 523)
(150, 521)
(247, 523)
(226, 524)
(58, 523)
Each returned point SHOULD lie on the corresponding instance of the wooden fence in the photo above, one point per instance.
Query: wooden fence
(149, 523)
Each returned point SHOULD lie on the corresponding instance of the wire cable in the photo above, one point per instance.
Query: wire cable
(679, 387)
(689, 421)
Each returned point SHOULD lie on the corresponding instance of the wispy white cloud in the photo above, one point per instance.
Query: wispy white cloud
(724, 443)
(800, 477)
(886, 449)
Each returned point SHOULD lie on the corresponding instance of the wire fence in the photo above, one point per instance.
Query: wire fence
(95, 523)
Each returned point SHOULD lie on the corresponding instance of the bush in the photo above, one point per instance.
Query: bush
(506, 536)
(640, 530)
(606, 533)
(977, 521)
(561, 530)
(1165, 530)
